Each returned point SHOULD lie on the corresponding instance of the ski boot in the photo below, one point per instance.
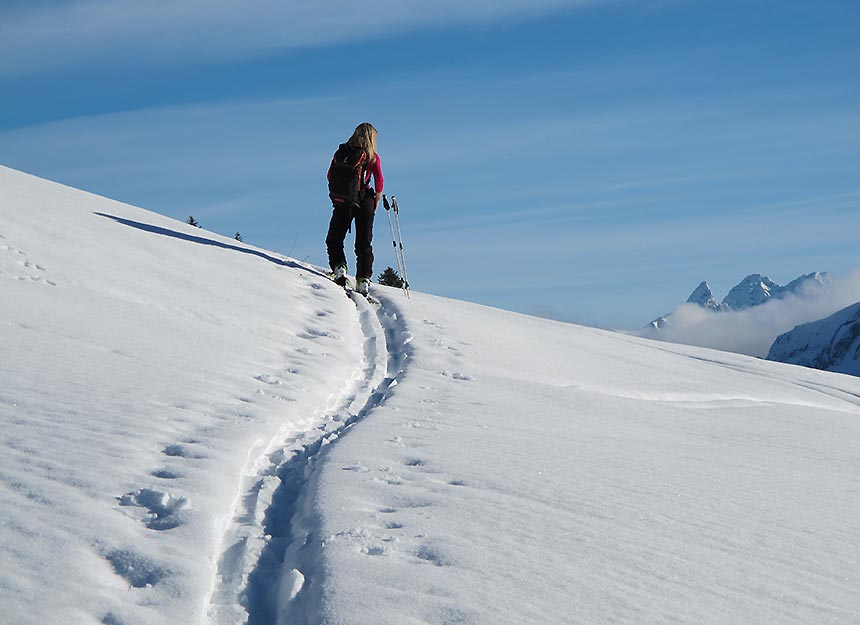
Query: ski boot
(362, 286)
(339, 275)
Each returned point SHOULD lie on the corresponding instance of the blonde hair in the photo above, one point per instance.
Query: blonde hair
(365, 137)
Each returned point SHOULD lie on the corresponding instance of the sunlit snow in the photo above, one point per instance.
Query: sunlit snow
(198, 431)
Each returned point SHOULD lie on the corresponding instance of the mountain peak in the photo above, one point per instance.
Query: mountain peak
(815, 280)
(703, 296)
(753, 290)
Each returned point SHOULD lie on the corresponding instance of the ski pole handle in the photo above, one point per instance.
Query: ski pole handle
(385, 202)
(394, 204)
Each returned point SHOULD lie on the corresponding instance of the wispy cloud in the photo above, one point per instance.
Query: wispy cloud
(606, 203)
(44, 36)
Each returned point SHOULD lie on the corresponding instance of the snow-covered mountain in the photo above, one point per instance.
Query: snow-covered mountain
(195, 430)
(831, 344)
(754, 290)
(757, 289)
(703, 296)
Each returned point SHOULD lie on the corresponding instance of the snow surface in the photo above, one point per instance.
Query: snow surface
(198, 431)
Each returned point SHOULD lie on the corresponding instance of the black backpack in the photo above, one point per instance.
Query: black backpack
(346, 175)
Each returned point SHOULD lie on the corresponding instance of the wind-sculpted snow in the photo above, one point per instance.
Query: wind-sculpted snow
(197, 431)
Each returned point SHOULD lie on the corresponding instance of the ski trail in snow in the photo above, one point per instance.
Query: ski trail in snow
(268, 566)
(848, 397)
(825, 389)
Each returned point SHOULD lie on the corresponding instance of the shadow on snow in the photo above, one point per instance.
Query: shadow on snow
(204, 241)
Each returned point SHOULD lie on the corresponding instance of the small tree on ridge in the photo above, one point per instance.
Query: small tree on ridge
(389, 277)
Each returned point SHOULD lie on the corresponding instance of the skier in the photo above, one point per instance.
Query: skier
(352, 167)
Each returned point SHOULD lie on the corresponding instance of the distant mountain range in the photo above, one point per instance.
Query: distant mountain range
(753, 290)
(831, 344)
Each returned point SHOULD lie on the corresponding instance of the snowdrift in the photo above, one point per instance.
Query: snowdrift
(198, 431)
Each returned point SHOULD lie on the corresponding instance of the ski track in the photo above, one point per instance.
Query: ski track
(268, 565)
(825, 389)
(853, 399)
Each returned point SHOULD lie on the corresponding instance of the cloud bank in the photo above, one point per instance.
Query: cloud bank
(753, 330)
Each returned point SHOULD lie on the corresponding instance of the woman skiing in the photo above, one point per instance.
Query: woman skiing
(352, 167)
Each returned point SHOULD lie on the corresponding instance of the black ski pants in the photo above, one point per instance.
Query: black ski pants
(341, 218)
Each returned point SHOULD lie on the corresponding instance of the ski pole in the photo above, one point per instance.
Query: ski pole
(393, 240)
(400, 239)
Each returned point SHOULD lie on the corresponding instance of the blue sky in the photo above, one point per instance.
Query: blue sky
(590, 161)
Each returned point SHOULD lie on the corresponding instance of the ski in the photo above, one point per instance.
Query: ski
(368, 297)
(346, 283)
(349, 289)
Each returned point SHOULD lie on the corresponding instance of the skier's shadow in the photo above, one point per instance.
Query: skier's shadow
(203, 241)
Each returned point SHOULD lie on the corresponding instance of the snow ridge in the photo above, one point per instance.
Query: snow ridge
(269, 568)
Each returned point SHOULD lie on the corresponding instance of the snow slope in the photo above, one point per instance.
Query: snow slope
(148, 366)
(831, 344)
(196, 431)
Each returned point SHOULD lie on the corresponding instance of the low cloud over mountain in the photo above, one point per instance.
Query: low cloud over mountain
(754, 312)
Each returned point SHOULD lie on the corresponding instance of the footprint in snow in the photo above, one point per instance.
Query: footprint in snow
(139, 571)
(165, 474)
(265, 378)
(315, 333)
(181, 451)
(19, 266)
(277, 396)
(163, 510)
(418, 503)
(420, 425)
(433, 554)
(456, 375)
(29, 265)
